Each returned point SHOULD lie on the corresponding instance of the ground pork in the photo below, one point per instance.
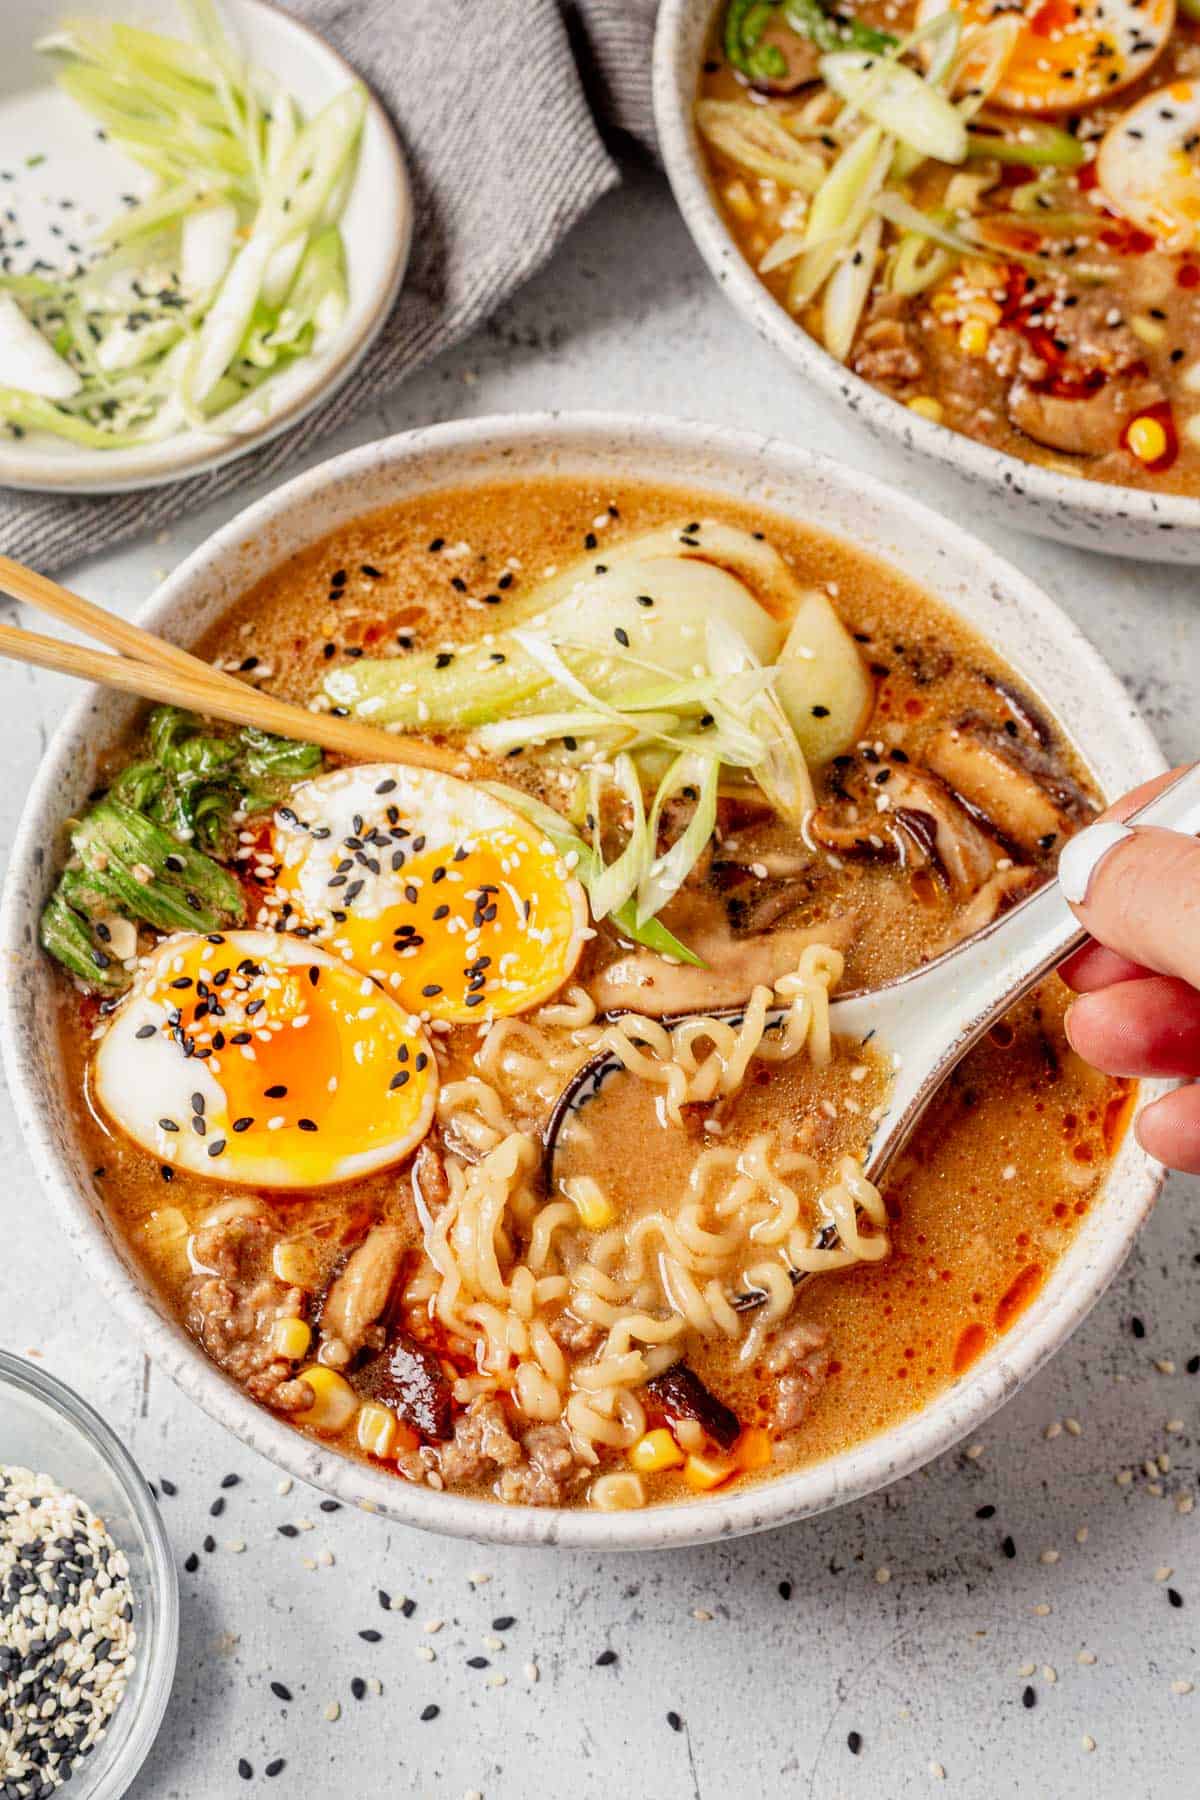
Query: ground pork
(798, 1358)
(234, 1306)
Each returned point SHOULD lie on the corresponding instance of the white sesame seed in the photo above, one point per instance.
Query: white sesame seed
(1043, 1609)
(1081, 1535)
(333, 1711)
(1087, 1743)
(702, 1614)
(1086, 1657)
(432, 1625)
(1048, 1556)
(426, 1653)
(883, 1575)
(1163, 1572)
(937, 1771)
(1073, 1426)
(1053, 1430)
(531, 1671)
(1182, 1687)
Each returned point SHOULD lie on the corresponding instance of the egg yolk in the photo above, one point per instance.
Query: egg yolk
(315, 1065)
(466, 930)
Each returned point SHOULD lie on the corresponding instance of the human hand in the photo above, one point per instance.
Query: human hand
(1138, 1011)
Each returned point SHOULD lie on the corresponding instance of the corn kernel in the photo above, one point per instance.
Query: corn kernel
(1147, 439)
(617, 1493)
(657, 1450)
(596, 1211)
(973, 337)
(753, 1448)
(334, 1400)
(1191, 429)
(290, 1338)
(944, 302)
(705, 1472)
(1147, 330)
(980, 307)
(376, 1429)
(295, 1265)
(927, 407)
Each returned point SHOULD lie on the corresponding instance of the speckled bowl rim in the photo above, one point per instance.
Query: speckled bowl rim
(615, 447)
(676, 70)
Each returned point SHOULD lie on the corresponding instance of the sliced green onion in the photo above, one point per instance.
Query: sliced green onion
(621, 878)
(847, 289)
(918, 263)
(1037, 146)
(667, 873)
(583, 862)
(754, 139)
(781, 771)
(896, 98)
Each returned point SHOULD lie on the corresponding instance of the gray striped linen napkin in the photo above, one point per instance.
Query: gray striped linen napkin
(504, 157)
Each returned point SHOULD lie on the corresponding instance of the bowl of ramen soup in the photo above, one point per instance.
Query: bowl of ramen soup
(975, 223)
(473, 1143)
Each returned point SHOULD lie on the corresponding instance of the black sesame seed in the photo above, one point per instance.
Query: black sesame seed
(328, 1506)
(1174, 1596)
(217, 1507)
(145, 1031)
(408, 1608)
(209, 1545)
(622, 636)
(243, 1124)
(478, 1662)
(191, 1563)
(398, 1081)
(275, 1768)
(505, 1622)
(358, 1687)
(168, 1487)
(385, 1600)
(1137, 1327)
(1009, 1548)
(280, 1692)
(1028, 1698)
(429, 1712)
(244, 1769)
(307, 1124)
(985, 1512)
(217, 1147)
(674, 1721)
(288, 1531)
(854, 1742)
(1193, 1365)
(605, 1658)
(371, 1636)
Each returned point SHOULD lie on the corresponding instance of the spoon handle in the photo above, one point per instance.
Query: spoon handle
(931, 1018)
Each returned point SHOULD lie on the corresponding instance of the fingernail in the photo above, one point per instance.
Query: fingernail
(1084, 852)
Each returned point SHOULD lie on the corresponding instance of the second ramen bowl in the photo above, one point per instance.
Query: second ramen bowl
(1051, 657)
(1115, 521)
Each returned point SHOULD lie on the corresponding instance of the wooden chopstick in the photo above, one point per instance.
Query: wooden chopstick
(221, 697)
(107, 628)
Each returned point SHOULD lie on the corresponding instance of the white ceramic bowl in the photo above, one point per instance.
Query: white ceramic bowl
(1113, 520)
(38, 122)
(1056, 663)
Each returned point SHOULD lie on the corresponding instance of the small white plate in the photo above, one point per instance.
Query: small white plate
(50, 153)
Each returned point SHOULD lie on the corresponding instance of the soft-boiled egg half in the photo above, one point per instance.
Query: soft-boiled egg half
(452, 901)
(1068, 53)
(254, 1058)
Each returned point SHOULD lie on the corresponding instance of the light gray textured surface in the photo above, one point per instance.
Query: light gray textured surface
(925, 1664)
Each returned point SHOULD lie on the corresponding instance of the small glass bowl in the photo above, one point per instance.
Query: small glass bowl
(46, 1427)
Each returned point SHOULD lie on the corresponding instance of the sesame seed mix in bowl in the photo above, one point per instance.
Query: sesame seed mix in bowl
(66, 1632)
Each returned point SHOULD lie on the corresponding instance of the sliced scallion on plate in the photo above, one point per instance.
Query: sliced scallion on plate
(229, 271)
